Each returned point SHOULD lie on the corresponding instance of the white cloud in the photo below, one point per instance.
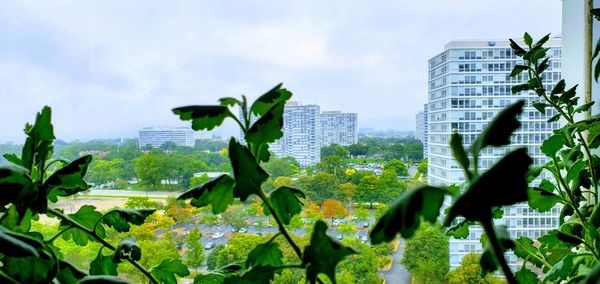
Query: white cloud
(110, 68)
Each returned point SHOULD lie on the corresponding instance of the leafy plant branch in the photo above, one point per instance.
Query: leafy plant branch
(75, 225)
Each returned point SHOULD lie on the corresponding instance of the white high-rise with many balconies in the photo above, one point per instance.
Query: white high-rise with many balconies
(469, 83)
(338, 128)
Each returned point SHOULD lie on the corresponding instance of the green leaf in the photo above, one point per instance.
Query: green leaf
(597, 71)
(120, 218)
(542, 200)
(269, 99)
(518, 69)
(524, 248)
(527, 39)
(488, 259)
(594, 275)
(558, 88)
(552, 145)
(217, 192)
(497, 213)
(165, 272)
(69, 179)
(503, 184)
(30, 269)
(555, 238)
(594, 136)
(229, 101)
(543, 65)
(102, 279)
(203, 117)
(67, 273)
(11, 245)
(519, 51)
(286, 203)
(554, 118)
(568, 94)
(520, 87)
(13, 158)
(86, 216)
(541, 41)
(13, 181)
(460, 230)
(585, 107)
(404, 215)
(575, 169)
(323, 254)
(211, 278)
(265, 254)
(268, 127)
(103, 265)
(541, 107)
(498, 132)
(526, 276)
(38, 146)
(248, 174)
(456, 145)
(539, 54)
(263, 153)
(127, 249)
(560, 270)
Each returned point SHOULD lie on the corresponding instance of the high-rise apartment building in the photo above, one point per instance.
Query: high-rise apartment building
(420, 126)
(157, 136)
(338, 128)
(469, 84)
(301, 134)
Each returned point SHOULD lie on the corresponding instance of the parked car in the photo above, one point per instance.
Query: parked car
(243, 230)
(339, 237)
(365, 225)
(336, 222)
(217, 235)
(209, 245)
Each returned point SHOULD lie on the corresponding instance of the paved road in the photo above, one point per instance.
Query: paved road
(398, 273)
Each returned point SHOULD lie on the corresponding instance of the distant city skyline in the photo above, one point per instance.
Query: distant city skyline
(108, 70)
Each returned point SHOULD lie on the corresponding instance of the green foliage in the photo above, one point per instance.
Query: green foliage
(38, 180)
(323, 254)
(469, 271)
(281, 167)
(320, 187)
(566, 253)
(404, 215)
(165, 272)
(217, 192)
(286, 203)
(426, 255)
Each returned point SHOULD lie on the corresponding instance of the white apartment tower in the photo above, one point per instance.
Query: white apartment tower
(420, 126)
(301, 134)
(469, 83)
(338, 128)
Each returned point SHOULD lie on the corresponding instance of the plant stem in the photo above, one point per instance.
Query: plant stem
(497, 249)
(282, 229)
(568, 191)
(570, 120)
(58, 235)
(74, 224)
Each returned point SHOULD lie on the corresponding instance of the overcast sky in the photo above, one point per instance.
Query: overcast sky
(108, 69)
